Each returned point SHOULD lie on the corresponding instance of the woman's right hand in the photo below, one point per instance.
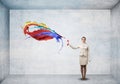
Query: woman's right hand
(68, 43)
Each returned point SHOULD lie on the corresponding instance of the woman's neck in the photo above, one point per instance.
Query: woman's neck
(84, 42)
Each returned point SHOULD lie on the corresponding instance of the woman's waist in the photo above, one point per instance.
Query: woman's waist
(83, 55)
(83, 52)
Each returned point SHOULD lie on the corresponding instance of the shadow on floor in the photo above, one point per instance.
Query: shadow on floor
(84, 79)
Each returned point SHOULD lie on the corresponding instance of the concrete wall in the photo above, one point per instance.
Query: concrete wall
(4, 42)
(28, 56)
(53, 4)
(115, 42)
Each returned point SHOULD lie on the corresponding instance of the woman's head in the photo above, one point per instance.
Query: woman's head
(83, 39)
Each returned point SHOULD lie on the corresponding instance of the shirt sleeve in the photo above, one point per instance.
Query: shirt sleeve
(74, 47)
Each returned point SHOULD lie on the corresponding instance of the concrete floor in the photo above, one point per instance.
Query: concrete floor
(58, 79)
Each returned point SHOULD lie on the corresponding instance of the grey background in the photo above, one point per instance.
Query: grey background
(35, 57)
(92, 10)
(4, 42)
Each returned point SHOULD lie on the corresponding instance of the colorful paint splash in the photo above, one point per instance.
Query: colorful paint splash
(41, 32)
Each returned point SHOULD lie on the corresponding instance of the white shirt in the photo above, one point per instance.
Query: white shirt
(84, 49)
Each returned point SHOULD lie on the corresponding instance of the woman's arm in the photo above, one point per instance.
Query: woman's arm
(73, 47)
(89, 57)
(68, 44)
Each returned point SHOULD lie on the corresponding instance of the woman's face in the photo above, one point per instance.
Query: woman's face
(83, 40)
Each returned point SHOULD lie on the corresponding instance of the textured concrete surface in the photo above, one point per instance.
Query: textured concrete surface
(28, 56)
(4, 42)
(60, 4)
(58, 79)
(115, 42)
(19, 64)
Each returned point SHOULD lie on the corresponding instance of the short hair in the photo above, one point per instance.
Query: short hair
(84, 37)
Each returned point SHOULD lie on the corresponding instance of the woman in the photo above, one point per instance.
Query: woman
(83, 58)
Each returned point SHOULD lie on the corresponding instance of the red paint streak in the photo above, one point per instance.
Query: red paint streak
(26, 28)
(36, 34)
